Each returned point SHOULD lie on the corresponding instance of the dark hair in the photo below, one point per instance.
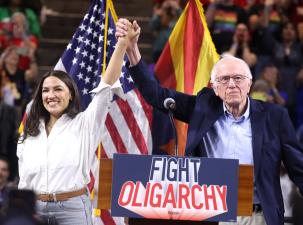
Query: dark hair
(22, 201)
(38, 111)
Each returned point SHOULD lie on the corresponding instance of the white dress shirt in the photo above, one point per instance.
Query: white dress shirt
(61, 161)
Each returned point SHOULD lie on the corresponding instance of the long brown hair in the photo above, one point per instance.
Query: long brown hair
(38, 110)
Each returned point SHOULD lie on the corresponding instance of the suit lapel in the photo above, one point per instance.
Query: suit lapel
(201, 124)
(257, 129)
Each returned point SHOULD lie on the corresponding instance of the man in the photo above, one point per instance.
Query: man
(225, 123)
(4, 173)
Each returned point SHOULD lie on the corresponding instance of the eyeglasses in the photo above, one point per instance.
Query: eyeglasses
(237, 79)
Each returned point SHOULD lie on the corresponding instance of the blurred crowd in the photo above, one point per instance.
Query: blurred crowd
(267, 34)
(20, 22)
(19, 39)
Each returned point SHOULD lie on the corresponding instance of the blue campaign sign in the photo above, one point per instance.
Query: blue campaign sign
(178, 188)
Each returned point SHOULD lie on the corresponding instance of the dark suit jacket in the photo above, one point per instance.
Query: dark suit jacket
(273, 136)
(8, 129)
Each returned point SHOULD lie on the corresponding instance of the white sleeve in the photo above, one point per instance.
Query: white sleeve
(96, 112)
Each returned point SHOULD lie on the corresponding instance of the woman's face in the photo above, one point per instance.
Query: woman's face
(12, 57)
(271, 75)
(55, 96)
(288, 32)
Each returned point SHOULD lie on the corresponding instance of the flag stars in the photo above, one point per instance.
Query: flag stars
(87, 80)
(130, 80)
(69, 46)
(74, 61)
(102, 26)
(80, 76)
(99, 49)
(77, 50)
(91, 57)
(84, 91)
(80, 38)
(92, 19)
(110, 31)
(86, 16)
(89, 69)
(89, 30)
(93, 46)
(108, 42)
(95, 34)
(86, 42)
(82, 65)
(84, 53)
(82, 27)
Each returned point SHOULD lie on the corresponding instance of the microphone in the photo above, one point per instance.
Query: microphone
(170, 105)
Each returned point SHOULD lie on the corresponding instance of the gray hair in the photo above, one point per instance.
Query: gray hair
(229, 57)
(24, 19)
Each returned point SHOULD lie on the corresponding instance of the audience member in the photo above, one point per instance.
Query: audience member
(262, 43)
(271, 75)
(162, 24)
(222, 16)
(27, 44)
(270, 16)
(16, 79)
(241, 45)
(299, 98)
(8, 135)
(21, 209)
(260, 90)
(288, 59)
(4, 174)
(13, 6)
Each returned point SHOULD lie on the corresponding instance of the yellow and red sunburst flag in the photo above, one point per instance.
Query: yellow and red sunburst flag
(188, 57)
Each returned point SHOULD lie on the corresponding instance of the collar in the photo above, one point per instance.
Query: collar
(245, 116)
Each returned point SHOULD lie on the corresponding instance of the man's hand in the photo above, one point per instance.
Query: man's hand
(130, 36)
(122, 27)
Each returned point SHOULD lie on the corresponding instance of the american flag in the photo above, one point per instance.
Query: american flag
(128, 124)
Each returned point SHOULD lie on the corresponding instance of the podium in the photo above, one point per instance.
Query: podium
(245, 195)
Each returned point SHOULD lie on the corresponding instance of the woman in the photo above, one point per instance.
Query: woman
(16, 80)
(59, 141)
(271, 75)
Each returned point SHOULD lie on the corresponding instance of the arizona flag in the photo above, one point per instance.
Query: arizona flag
(187, 59)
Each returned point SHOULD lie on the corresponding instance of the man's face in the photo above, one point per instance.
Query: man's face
(232, 84)
(4, 172)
